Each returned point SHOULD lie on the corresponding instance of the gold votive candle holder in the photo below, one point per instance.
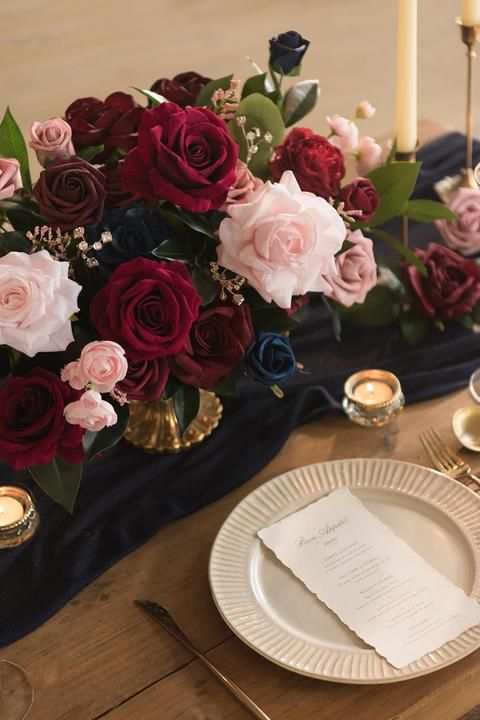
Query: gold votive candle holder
(373, 397)
(18, 516)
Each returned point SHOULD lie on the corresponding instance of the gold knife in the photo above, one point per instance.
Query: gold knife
(163, 617)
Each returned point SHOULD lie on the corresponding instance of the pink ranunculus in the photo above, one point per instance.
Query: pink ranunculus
(37, 300)
(245, 184)
(463, 233)
(283, 241)
(365, 110)
(356, 272)
(10, 178)
(90, 412)
(51, 139)
(103, 363)
(369, 155)
(345, 131)
(73, 375)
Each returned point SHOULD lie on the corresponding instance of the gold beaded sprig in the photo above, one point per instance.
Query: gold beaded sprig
(228, 285)
(84, 247)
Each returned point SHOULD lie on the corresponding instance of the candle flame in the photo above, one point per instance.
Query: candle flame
(369, 388)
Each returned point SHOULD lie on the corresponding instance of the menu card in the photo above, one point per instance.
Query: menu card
(368, 576)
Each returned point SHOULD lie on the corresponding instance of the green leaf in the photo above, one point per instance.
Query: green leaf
(204, 284)
(263, 114)
(413, 327)
(59, 480)
(154, 98)
(175, 248)
(345, 246)
(204, 97)
(186, 403)
(405, 252)
(89, 152)
(476, 314)
(466, 320)
(299, 100)
(227, 386)
(94, 443)
(255, 84)
(271, 318)
(193, 222)
(14, 242)
(381, 307)
(334, 310)
(427, 210)
(23, 218)
(12, 145)
(294, 72)
(394, 183)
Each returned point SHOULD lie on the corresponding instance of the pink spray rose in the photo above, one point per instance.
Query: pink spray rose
(102, 363)
(369, 155)
(345, 133)
(51, 140)
(365, 110)
(463, 233)
(90, 412)
(283, 240)
(37, 299)
(245, 184)
(10, 178)
(356, 272)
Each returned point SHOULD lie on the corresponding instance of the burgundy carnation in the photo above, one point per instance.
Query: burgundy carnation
(32, 426)
(145, 379)
(70, 193)
(216, 345)
(116, 195)
(148, 307)
(362, 195)
(112, 123)
(452, 287)
(185, 156)
(182, 89)
(318, 166)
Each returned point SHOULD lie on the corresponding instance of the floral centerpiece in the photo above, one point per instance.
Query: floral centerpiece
(165, 247)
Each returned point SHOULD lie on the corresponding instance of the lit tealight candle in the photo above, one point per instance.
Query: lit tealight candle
(373, 397)
(11, 510)
(372, 392)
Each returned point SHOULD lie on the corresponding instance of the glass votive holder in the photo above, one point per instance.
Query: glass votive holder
(474, 385)
(373, 397)
(18, 516)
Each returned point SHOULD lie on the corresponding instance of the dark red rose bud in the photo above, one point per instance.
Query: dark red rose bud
(216, 344)
(116, 195)
(452, 287)
(362, 195)
(318, 166)
(32, 426)
(70, 193)
(145, 379)
(182, 89)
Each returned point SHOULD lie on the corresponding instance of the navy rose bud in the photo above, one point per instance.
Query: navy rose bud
(287, 51)
(270, 359)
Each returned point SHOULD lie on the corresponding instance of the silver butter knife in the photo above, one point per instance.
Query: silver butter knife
(163, 617)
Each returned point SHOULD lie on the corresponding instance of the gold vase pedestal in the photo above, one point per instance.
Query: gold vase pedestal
(154, 427)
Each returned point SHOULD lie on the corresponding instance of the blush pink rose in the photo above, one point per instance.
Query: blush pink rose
(356, 272)
(463, 233)
(10, 178)
(245, 184)
(73, 375)
(369, 155)
(365, 110)
(283, 241)
(37, 300)
(51, 140)
(90, 412)
(102, 363)
(345, 131)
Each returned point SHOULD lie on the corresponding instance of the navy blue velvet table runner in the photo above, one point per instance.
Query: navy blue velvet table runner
(127, 496)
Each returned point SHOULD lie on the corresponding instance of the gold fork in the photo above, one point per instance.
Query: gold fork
(446, 460)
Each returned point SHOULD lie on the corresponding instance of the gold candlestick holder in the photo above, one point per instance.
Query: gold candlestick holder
(409, 156)
(469, 35)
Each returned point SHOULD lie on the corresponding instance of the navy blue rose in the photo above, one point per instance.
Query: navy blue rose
(287, 51)
(270, 359)
(135, 232)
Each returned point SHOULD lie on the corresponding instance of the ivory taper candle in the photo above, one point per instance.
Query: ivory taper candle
(406, 116)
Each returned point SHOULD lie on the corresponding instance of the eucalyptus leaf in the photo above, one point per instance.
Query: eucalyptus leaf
(299, 100)
(255, 84)
(381, 307)
(413, 327)
(186, 403)
(59, 480)
(95, 443)
(204, 97)
(395, 184)
(154, 98)
(405, 252)
(12, 145)
(427, 210)
(89, 153)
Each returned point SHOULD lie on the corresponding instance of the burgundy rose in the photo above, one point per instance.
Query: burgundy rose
(145, 379)
(32, 426)
(185, 156)
(113, 123)
(183, 89)
(452, 287)
(148, 307)
(116, 195)
(216, 345)
(316, 163)
(70, 193)
(361, 195)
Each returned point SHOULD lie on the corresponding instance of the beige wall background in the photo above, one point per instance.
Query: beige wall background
(54, 51)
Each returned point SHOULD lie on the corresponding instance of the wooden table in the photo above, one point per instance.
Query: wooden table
(100, 657)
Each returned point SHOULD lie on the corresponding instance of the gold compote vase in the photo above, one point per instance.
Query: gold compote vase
(154, 427)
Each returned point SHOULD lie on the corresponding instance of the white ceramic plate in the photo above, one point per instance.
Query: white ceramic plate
(275, 614)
